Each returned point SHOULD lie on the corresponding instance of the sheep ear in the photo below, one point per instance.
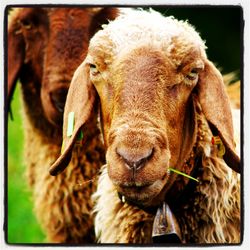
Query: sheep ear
(101, 16)
(78, 108)
(189, 132)
(16, 55)
(216, 107)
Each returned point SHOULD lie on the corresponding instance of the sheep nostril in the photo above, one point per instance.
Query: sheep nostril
(134, 161)
(58, 98)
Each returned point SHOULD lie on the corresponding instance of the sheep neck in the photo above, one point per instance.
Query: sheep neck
(181, 190)
(183, 187)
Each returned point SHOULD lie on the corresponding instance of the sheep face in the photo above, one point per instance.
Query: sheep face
(143, 99)
(45, 46)
(66, 48)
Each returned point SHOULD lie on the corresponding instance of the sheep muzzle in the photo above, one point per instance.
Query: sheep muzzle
(53, 101)
(138, 158)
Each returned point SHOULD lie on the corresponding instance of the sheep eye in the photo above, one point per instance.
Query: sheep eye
(27, 24)
(192, 75)
(93, 69)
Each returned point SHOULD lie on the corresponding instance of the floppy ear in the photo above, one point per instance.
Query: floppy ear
(100, 17)
(189, 131)
(79, 105)
(16, 55)
(216, 107)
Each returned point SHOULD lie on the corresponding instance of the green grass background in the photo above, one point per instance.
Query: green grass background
(22, 226)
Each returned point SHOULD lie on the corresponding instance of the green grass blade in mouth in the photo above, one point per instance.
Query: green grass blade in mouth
(181, 173)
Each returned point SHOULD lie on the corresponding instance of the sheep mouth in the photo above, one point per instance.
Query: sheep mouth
(142, 194)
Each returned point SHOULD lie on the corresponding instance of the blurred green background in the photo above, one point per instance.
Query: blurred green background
(22, 225)
(220, 27)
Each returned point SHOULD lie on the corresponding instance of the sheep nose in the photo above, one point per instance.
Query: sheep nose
(134, 161)
(58, 98)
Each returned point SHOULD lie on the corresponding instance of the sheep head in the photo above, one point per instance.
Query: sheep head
(45, 46)
(146, 78)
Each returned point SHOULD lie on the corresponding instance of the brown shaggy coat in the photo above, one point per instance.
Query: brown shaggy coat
(45, 46)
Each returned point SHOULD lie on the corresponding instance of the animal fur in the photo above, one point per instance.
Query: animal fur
(45, 46)
(161, 101)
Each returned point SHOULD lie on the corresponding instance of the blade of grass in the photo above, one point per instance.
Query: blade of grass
(181, 173)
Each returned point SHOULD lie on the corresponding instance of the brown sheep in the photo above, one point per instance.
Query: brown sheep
(45, 46)
(163, 107)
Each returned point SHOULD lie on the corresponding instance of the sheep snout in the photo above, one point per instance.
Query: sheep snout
(137, 162)
(134, 162)
(53, 103)
(58, 98)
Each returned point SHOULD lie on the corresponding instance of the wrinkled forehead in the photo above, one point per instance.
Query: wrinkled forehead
(175, 38)
(68, 18)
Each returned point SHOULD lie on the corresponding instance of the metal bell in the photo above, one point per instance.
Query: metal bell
(166, 228)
